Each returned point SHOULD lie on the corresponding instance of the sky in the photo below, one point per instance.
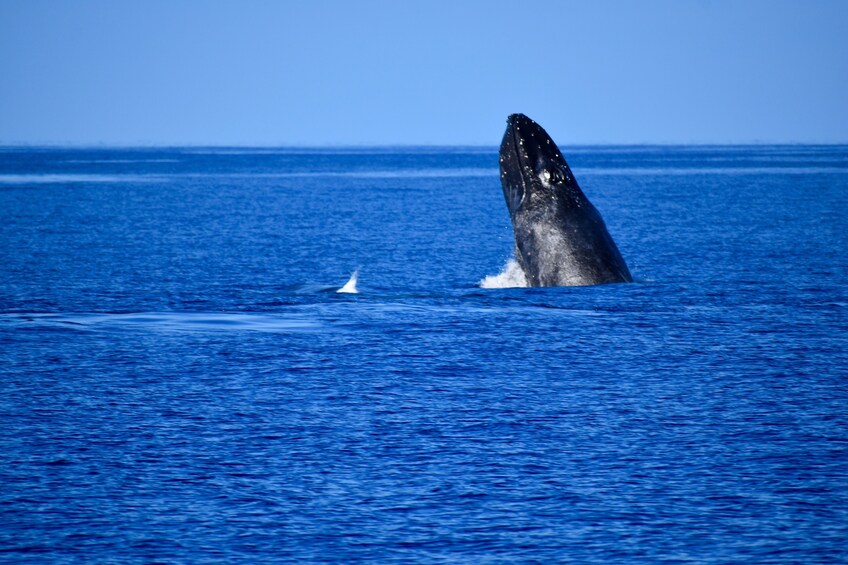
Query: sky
(369, 72)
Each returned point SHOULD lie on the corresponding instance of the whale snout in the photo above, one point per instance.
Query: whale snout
(530, 146)
(518, 120)
(527, 153)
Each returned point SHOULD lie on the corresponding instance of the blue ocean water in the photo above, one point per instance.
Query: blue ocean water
(180, 382)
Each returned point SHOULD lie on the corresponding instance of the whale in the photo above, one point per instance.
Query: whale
(560, 237)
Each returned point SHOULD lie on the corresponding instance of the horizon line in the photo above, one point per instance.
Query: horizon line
(365, 146)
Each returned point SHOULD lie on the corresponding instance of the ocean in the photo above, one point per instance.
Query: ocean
(181, 382)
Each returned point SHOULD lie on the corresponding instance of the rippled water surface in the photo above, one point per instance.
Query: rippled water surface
(181, 382)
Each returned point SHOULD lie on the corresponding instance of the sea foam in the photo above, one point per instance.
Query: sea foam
(512, 276)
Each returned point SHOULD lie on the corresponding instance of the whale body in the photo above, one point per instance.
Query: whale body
(560, 237)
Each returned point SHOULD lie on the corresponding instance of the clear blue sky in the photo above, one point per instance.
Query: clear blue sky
(438, 72)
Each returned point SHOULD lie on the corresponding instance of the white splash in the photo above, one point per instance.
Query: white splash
(510, 277)
(350, 285)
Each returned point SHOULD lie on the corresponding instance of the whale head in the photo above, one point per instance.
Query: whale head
(533, 170)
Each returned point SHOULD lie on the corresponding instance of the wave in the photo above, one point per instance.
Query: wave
(429, 173)
(69, 178)
(729, 171)
(168, 321)
(117, 161)
(56, 178)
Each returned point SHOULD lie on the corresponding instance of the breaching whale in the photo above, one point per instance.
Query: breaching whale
(560, 238)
